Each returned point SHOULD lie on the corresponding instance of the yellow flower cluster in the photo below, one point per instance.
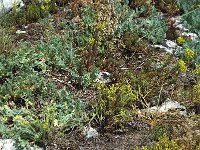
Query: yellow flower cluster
(18, 118)
(182, 66)
(45, 7)
(45, 125)
(91, 40)
(100, 26)
(125, 90)
(180, 40)
(189, 54)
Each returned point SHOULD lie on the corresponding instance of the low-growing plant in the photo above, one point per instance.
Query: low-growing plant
(114, 105)
(193, 45)
(153, 28)
(31, 12)
(190, 14)
(34, 122)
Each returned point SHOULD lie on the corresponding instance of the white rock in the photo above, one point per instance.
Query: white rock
(171, 105)
(104, 77)
(7, 144)
(168, 105)
(90, 132)
(7, 5)
(170, 44)
(181, 27)
(169, 50)
(20, 32)
(193, 36)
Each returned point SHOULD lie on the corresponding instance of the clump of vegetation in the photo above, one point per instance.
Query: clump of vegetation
(134, 43)
(168, 6)
(153, 28)
(145, 5)
(34, 120)
(191, 13)
(31, 12)
(114, 105)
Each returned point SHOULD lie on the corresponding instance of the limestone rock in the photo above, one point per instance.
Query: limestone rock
(90, 133)
(7, 5)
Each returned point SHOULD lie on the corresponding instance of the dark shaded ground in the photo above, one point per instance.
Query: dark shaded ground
(125, 141)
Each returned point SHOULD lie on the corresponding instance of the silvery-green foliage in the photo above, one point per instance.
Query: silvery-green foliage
(152, 28)
(191, 14)
(126, 17)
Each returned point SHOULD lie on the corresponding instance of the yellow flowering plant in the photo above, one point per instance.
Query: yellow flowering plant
(180, 40)
(45, 7)
(114, 103)
(181, 65)
(189, 53)
(91, 41)
(196, 71)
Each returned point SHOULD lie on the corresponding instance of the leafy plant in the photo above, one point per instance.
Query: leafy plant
(113, 105)
(32, 12)
(194, 46)
(153, 28)
(191, 14)
(36, 123)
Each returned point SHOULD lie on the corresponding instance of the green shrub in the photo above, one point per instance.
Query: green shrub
(114, 105)
(32, 12)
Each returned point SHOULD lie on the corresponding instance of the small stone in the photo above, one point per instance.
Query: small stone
(7, 144)
(91, 132)
(192, 36)
(104, 77)
(20, 32)
(181, 27)
(170, 44)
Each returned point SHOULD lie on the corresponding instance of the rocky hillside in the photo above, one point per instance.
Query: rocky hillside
(100, 75)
